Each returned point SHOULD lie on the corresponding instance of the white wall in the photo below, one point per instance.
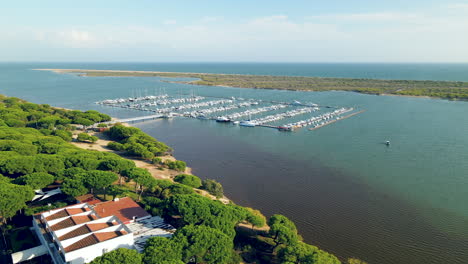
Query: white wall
(87, 254)
(63, 231)
(68, 242)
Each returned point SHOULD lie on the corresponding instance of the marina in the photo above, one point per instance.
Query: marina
(256, 113)
(362, 176)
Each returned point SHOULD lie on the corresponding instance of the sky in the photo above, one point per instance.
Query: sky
(234, 31)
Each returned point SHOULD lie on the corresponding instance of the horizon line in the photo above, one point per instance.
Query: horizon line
(233, 62)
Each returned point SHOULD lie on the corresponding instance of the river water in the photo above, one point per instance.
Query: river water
(347, 192)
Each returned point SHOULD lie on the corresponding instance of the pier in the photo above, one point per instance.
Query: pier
(135, 119)
(333, 121)
(269, 126)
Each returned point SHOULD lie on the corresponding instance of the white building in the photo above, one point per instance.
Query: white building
(76, 234)
(79, 233)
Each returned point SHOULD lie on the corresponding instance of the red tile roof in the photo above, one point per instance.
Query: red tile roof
(85, 242)
(57, 215)
(63, 207)
(77, 232)
(85, 229)
(88, 198)
(63, 224)
(103, 236)
(74, 211)
(80, 219)
(65, 212)
(99, 226)
(125, 209)
(73, 220)
(94, 239)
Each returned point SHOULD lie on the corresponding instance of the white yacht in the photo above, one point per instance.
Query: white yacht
(247, 123)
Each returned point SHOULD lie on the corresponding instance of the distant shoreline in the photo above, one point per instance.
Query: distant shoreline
(450, 90)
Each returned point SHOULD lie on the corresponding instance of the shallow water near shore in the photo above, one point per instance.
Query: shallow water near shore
(347, 192)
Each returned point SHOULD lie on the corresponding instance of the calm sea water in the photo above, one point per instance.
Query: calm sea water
(346, 191)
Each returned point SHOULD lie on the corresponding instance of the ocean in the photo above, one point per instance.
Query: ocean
(347, 192)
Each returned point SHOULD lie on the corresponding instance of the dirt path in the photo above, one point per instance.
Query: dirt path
(101, 145)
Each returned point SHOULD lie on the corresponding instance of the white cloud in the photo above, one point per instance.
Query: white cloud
(371, 17)
(76, 36)
(416, 37)
(458, 6)
(72, 38)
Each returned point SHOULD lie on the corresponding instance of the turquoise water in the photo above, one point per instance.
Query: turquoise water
(348, 192)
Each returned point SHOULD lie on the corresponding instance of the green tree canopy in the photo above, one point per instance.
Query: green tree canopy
(194, 209)
(255, 217)
(116, 146)
(303, 253)
(85, 137)
(120, 132)
(139, 150)
(97, 179)
(135, 173)
(204, 244)
(177, 165)
(355, 261)
(119, 256)
(74, 187)
(83, 121)
(116, 164)
(162, 250)
(189, 180)
(37, 180)
(176, 189)
(13, 198)
(282, 230)
(65, 135)
(198, 244)
(145, 181)
(213, 187)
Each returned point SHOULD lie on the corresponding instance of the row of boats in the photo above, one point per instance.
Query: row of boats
(317, 121)
(288, 114)
(206, 108)
(132, 99)
(145, 106)
(168, 102)
(202, 114)
(255, 111)
(193, 106)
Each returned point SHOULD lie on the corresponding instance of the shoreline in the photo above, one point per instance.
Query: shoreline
(449, 90)
(166, 174)
(223, 74)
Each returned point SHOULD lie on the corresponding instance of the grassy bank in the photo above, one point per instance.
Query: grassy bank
(436, 89)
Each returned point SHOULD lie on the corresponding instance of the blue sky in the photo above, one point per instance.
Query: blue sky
(258, 31)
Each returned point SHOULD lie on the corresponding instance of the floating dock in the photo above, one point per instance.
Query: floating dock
(333, 121)
(135, 119)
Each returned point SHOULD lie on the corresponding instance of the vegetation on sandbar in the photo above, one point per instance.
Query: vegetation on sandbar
(439, 89)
